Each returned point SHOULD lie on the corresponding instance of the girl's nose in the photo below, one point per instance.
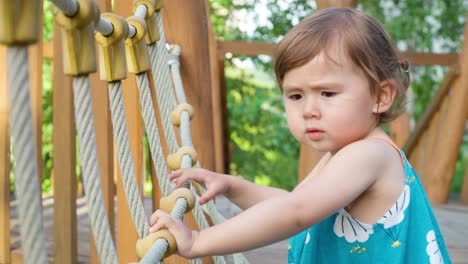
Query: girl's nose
(311, 109)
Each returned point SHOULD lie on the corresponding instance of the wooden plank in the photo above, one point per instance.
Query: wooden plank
(104, 144)
(64, 176)
(322, 4)
(400, 129)
(464, 191)
(4, 162)
(188, 28)
(431, 109)
(35, 84)
(196, 79)
(441, 169)
(219, 104)
(308, 158)
(267, 48)
(127, 234)
(48, 50)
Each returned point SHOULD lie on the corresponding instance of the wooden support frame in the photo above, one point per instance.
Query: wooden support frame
(266, 48)
(4, 163)
(64, 175)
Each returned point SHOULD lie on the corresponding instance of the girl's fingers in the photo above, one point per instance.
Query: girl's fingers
(159, 220)
(208, 195)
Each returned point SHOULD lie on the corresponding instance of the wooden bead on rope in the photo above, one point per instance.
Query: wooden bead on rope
(144, 244)
(175, 115)
(167, 203)
(174, 160)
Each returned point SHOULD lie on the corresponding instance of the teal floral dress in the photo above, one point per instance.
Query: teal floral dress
(407, 233)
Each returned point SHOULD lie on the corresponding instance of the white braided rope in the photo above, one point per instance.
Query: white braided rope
(166, 102)
(125, 159)
(91, 174)
(152, 133)
(24, 151)
(184, 128)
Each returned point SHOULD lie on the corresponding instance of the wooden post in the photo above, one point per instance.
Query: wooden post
(400, 129)
(217, 96)
(35, 81)
(188, 28)
(127, 234)
(464, 191)
(64, 143)
(4, 163)
(104, 144)
(441, 169)
(322, 4)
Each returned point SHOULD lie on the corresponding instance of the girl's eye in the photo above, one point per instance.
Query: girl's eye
(328, 94)
(295, 97)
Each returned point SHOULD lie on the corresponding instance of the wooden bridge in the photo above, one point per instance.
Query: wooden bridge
(432, 146)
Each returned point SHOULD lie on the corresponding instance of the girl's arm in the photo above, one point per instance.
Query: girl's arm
(241, 192)
(348, 174)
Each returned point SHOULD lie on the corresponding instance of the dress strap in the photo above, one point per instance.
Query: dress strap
(391, 144)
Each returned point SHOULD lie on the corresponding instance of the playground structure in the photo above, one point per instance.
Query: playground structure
(432, 153)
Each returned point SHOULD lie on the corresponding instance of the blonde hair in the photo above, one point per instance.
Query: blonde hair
(363, 39)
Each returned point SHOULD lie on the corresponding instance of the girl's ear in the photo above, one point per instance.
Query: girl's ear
(384, 97)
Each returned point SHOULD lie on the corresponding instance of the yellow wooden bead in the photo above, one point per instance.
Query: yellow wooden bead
(167, 203)
(174, 160)
(175, 115)
(144, 244)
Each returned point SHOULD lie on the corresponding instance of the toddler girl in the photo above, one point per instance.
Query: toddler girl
(363, 202)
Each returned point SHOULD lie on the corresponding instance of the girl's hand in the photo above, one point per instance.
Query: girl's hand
(183, 235)
(214, 183)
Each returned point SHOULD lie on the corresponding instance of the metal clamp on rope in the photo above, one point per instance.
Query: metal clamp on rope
(79, 50)
(19, 22)
(152, 6)
(177, 112)
(167, 203)
(112, 62)
(144, 244)
(137, 50)
(174, 160)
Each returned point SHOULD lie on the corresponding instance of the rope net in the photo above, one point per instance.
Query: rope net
(79, 19)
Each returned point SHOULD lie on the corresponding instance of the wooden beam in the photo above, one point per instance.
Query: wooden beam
(440, 173)
(104, 145)
(35, 85)
(4, 163)
(127, 234)
(266, 48)
(431, 109)
(188, 28)
(64, 175)
(322, 4)
(218, 99)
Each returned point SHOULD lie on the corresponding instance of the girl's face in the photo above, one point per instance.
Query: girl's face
(328, 102)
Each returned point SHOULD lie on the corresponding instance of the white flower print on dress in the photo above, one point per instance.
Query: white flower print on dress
(396, 214)
(307, 238)
(350, 228)
(432, 249)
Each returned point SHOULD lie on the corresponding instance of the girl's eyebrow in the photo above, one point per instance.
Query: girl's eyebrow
(324, 85)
